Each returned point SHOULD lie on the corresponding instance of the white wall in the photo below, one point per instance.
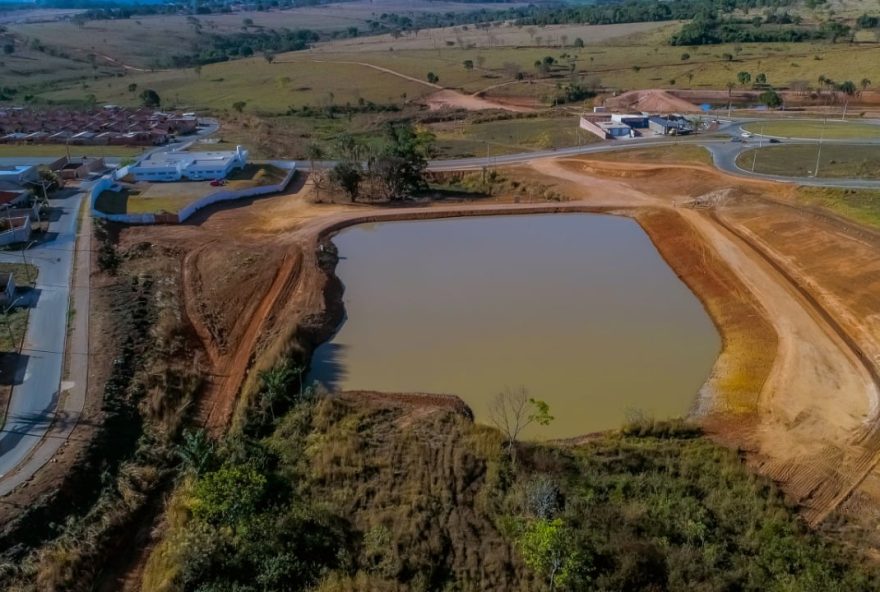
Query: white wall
(106, 182)
(195, 206)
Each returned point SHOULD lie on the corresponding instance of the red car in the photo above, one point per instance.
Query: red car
(218, 182)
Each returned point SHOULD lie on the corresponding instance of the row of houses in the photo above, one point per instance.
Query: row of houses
(631, 125)
(107, 125)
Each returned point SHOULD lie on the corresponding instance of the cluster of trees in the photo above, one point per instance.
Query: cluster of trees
(392, 170)
(708, 29)
(220, 48)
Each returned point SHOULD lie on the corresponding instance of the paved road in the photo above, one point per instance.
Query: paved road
(37, 387)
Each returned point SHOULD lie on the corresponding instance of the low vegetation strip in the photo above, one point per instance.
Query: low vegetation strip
(815, 129)
(835, 161)
(359, 492)
(675, 154)
(861, 205)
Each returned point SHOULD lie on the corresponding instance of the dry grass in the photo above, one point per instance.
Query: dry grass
(675, 154)
(815, 129)
(835, 161)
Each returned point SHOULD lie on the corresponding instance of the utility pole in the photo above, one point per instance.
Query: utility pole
(819, 151)
(760, 145)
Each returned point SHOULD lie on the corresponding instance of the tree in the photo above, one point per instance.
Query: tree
(314, 153)
(229, 495)
(269, 57)
(468, 65)
(848, 88)
(8, 48)
(347, 175)
(150, 98)
(433, 78)
(761, 78)
(771, 98)
(198, 70)
(277, 383)
(865, 83)
(727, 57)
(744, 78)
(132, 87)
(196, 452)
(239, 106)
(685, 57)
(578, 42)
(547, 548)
(399, 168)
(512, 411)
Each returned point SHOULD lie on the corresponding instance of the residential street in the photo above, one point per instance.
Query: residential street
(38, 384)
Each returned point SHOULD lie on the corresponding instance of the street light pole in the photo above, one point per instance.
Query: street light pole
(819, 151)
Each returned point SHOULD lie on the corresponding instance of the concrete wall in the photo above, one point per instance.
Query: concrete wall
(106, 182)
(103, 184)
(591, 127)
(208, 200)
(18, 234)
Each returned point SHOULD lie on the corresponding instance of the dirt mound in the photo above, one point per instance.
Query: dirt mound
(652, 100)
(457, 100)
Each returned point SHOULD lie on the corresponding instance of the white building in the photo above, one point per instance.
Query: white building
(193, 166)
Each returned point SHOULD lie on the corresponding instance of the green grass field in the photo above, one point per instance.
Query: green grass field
(814, 128)
(59, 150)
(836, 161)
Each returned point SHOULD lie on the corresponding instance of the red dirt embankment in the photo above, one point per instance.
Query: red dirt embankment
(653, 100)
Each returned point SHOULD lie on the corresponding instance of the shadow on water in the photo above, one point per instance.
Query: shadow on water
(328, 366)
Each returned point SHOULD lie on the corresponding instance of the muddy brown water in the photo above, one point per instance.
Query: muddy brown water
(580, 309)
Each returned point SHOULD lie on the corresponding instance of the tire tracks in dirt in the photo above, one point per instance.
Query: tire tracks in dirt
(827, 496)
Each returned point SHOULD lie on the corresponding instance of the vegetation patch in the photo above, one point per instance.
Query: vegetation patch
(675, 154)
(815, 129)
(836, 161)
(364, 492)
(861, 205)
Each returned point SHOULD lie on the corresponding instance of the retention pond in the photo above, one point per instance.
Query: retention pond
(579, 309)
